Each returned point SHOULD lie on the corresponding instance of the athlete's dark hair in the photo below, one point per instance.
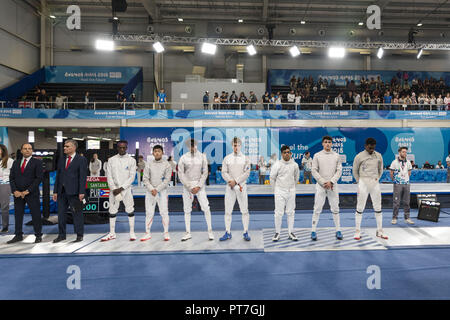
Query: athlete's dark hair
(370, 141)
(158, 147)
(285, 147)
(401, 148)
(327, 138)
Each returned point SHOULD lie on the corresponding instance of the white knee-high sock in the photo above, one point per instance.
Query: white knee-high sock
(187, 221)
(278, 221)
(208, 220)
(358, 219)
(379, 218)
(290, 222)
(165, 222)
(315, 221)
(112, 225)
(131, 223)
(228, 222)
(337, 221)
(245, 221)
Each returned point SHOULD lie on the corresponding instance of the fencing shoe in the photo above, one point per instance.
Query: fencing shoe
(210, 235)
(166, 236)
(186, 237)
(357, 235)
(109, 236)
(146, 237)
(226, 236)
(276, 237)
(339, 235)
(313, 236)
(293, 237)
(381, 235)
(246, 237)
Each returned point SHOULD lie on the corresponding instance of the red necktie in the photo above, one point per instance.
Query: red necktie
(68, 162)
(22, 168)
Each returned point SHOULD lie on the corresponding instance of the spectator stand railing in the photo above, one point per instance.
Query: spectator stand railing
(114, 105)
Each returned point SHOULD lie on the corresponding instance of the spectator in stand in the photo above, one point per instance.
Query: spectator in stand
(121, 98)
(42, 99)
(387, 99)
(253, 100)
(433, 102)
(95, 165)
(278, 104)
(365, 100)
(447, 101)
(339, 101)
(421, 101)
(357, 100)
(291, 99)
(414, 166)
(266, 99)
(439, 165)
(332, 84)
(87, 100)
(292, 83)
(326, 104)
(216, 105)
(59, 101)
(223, 101)
(440, 103)
(427, 165)
(352, 86)
(162, 99)
(206, 100)
(395, 102)
(272, 101)
(242, 101)
(298, 99)
(233, 100)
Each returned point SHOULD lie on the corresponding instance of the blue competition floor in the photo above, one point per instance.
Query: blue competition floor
(416, 273)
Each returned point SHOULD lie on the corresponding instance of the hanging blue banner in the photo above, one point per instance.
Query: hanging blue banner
(84, 74)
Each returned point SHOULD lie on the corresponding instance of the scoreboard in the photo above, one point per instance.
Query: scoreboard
(95, 209)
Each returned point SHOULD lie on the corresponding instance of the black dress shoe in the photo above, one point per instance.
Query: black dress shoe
(4, 230)
(15, 239)
(38, 239)
(79, 239)
(59, 239)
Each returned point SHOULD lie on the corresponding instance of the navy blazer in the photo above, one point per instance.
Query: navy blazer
(74, 178)
(30, 179)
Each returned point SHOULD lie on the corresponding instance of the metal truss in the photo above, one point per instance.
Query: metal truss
(281, 43)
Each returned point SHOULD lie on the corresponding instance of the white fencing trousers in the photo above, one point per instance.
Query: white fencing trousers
(188, 198)
(230, 199)
(128, 201)
(368, 186)
(284, 202)
(162, 200)
(319, 200)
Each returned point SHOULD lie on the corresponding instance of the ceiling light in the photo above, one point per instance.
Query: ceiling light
(360, 23)
(380, 53)
(303, 22)
(209, 48)
(180, 19)
(52, 16)
(251, 50)
(115, 18)
(105, 45)
(419, 24)
(419, 54)
(294, 51)
(335, 52)
(240, 20)
(158, 47)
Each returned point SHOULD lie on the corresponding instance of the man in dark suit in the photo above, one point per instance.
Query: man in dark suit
(25, 178)
(69, 189)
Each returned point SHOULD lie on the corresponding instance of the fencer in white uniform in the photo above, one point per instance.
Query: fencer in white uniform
(235, 172)
(326, 169)
(157, 174)
(121, 174)
(193, 171)
(284, 176)
(367, 170)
